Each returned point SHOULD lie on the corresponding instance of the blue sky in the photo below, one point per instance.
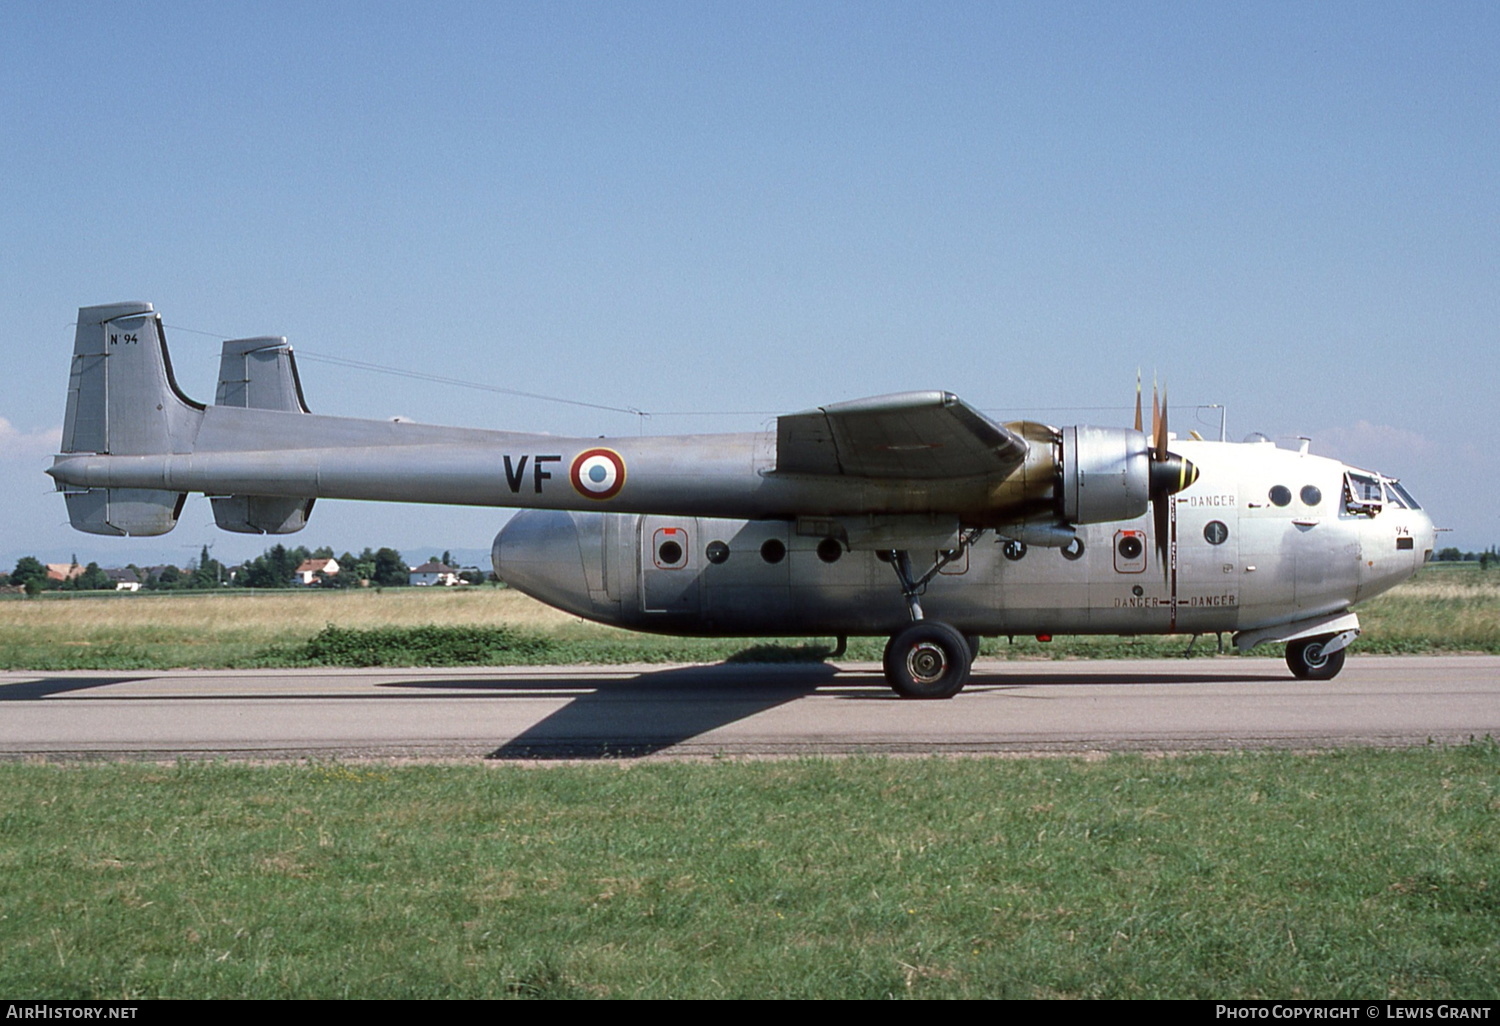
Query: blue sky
(714, 211)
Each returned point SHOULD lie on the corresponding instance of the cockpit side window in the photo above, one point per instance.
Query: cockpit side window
(1363, 494)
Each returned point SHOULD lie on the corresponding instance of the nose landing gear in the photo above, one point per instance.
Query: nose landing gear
(1309, 659)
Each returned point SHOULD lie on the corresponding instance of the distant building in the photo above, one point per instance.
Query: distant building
(434, 573)
(309, 570)
(63, 571)
(123, 578)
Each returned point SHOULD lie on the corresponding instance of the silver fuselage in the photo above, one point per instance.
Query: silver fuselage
(1237, 560)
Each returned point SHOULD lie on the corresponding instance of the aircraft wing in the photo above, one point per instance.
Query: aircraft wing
(912, 435)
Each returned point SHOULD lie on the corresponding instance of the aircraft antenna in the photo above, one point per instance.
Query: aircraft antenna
(376, 368)
(340, 361)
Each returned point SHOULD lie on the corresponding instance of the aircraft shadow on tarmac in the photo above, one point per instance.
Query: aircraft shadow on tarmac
(636, 716)
(630, 717)
(620, 715)
(46, 687)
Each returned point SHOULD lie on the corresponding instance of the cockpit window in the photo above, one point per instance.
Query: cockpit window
(1399, 497)
(1363, 494)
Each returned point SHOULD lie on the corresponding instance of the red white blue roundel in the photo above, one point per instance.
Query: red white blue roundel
(598, 473)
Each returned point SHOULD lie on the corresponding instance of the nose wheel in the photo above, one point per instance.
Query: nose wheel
(1309, 659)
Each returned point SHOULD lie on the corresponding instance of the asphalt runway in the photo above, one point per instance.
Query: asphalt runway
(740, 710)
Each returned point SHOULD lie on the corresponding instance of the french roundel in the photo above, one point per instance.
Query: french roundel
(598, 473)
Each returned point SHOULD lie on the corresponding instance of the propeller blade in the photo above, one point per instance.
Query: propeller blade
(1161, 524)
(1155, 409)
(1170, 474)
(1161, 428)
(1137, 398)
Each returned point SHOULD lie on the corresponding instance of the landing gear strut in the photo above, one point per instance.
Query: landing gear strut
(928, 659)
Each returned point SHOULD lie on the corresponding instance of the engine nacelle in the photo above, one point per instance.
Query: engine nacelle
(1106, 474)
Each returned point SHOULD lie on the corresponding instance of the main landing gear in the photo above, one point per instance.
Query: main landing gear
(928, 659)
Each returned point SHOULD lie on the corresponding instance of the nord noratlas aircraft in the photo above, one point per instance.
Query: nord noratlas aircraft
(913, 516)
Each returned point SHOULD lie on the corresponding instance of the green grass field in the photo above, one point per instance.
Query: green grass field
(1358, 874)
(1446, 608)
(1354, 874)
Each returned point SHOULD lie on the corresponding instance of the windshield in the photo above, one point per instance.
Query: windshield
(1399, 497)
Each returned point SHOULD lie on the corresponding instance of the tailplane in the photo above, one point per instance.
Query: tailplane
(124, 401)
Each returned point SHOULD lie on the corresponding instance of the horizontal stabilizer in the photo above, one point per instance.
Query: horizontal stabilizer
(261, 514)
(136, 512)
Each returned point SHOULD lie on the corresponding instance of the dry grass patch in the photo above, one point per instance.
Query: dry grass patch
(273, 613)
(233, 628)
(1445, 608)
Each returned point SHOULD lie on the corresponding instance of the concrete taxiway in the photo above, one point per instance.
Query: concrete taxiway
(686, 711)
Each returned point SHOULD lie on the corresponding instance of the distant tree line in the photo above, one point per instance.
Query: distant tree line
(31, 573)
(276, 567)
(1486, 559)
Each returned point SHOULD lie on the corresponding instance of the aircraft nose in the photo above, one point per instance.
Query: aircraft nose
(538, 553)
(1423, 541)
(1426, 534)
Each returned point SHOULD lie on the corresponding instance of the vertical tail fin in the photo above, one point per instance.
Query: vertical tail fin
(260, 374)
(122, 397)
(124, 401)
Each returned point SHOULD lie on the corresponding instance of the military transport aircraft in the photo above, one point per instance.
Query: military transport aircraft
(913, 516)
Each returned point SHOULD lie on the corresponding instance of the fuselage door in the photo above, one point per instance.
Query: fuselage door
(1208, 571)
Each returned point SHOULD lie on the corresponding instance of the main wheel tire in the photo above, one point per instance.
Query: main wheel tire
(927, 660)
(1308, 660)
